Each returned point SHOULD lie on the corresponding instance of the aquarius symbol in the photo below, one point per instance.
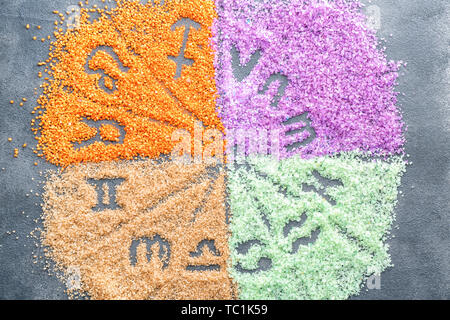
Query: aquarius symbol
(324, 184)
(106, 191)
(181, 60)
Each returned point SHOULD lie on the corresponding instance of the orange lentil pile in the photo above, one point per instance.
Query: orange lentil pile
(149, 236)
(118, 68)
(182, 204)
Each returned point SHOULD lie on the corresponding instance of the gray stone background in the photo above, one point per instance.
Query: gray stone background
(420, 247)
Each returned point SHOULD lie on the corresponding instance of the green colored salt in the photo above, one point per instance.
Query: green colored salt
(351, 219)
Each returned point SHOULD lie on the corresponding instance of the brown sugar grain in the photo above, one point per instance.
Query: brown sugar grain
(154, 246)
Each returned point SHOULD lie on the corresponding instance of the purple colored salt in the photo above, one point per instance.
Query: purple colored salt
(318, 59)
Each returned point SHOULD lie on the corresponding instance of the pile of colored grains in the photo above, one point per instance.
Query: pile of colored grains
(311, 58)
(165, 238)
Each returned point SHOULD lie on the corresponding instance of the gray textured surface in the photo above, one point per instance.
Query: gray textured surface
(421, 247)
